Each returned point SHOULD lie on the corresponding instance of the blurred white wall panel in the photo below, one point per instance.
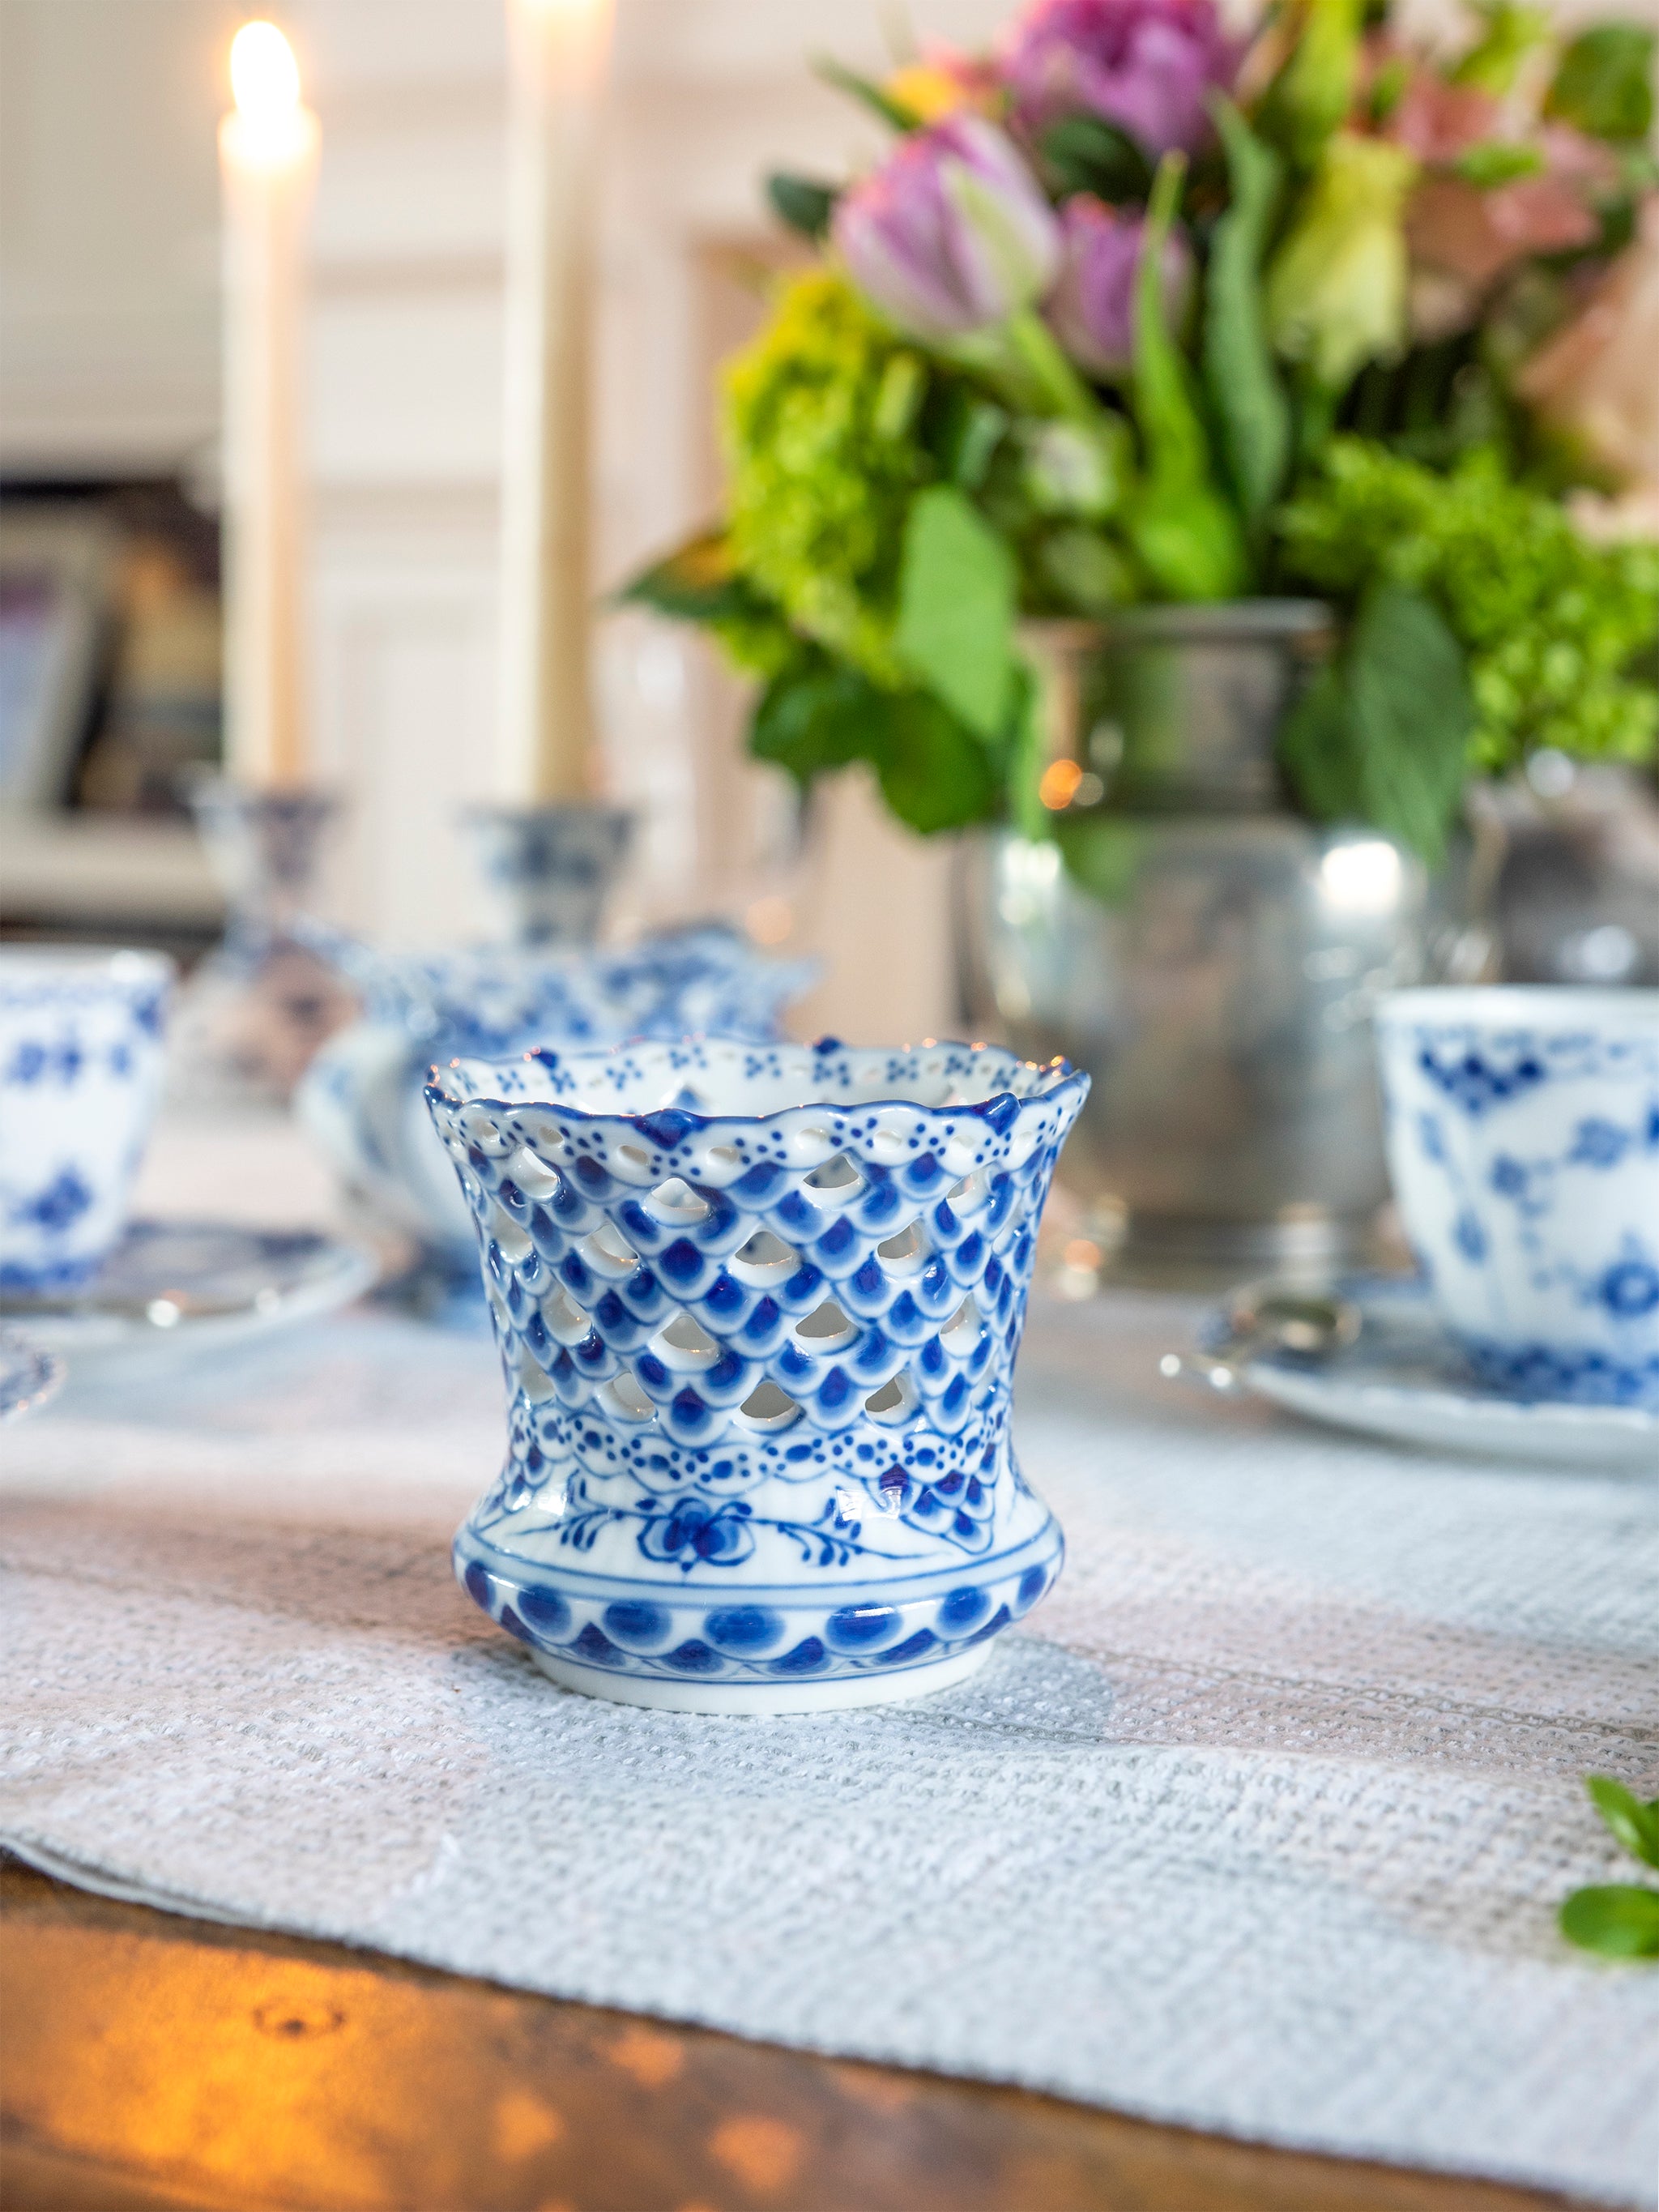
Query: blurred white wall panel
(404, 651)
(109, 211)
(414, 179)
(404, 386)
(735, 41)
(354, 44)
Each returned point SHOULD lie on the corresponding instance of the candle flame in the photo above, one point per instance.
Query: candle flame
(264, 74)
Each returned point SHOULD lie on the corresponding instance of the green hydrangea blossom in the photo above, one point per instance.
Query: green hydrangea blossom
(820, 419)
(1551, 623)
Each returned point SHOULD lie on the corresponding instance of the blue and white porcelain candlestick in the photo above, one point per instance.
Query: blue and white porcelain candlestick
(256, 1010)
(757, 1308)
(548, 870)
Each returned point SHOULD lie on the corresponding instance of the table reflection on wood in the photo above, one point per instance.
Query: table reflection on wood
(156, 2064)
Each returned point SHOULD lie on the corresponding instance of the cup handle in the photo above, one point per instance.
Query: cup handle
(352, 1104)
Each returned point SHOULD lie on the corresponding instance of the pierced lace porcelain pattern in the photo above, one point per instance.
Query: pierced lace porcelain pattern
(769, 1350)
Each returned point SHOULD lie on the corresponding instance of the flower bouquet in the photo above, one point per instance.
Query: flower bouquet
(1135, 309)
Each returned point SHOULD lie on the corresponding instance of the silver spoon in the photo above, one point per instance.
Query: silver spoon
(1309, 1324)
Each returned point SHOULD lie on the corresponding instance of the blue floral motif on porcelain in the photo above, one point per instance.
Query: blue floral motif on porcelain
(80, 1078)
(361, 1099)
(758, 1309)
(1523, 1138)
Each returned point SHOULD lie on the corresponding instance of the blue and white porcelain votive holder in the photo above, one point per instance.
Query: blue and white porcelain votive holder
(81, 1039)
(757, 1308)
(1523, 1144)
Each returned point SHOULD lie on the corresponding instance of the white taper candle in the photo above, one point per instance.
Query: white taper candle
(559, 50)
(268, 147)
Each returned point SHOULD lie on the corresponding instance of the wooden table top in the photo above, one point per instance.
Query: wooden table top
(151, 2064)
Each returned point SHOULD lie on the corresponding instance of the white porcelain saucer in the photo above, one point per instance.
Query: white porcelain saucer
(29, 1375)
(1404, 1379)
(179, 1288)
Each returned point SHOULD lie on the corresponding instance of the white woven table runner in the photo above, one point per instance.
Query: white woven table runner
(1260, 1827)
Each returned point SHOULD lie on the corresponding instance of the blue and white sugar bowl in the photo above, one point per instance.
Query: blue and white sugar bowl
(758, 1309)
(361, 1099)
(81, 1051)
(1523, 1143)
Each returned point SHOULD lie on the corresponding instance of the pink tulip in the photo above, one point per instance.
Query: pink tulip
(952, 234)
(1092, 307)
(1149, 66)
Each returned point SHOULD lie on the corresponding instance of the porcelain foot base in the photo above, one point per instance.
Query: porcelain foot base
(837, 1695)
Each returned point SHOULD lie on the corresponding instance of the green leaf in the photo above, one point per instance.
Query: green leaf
(1102, 852)
(1618, 1920)
(1026, 810)
(821, 715)
(1313, 92)
(1382, 737)
(1245, 391)
(969, 431)
(1085, 570)
(1413, 714)
(816, 716)
(1495, 162)
(1187, 540)
(1183, 532)
(1387, 89)
(899, 397)
(1604, 82)
(1320, 753)
(1025, 364)
(865, 90)
(1170, 421)
(1087, 153)
(934, 774)
(1061, 390)
(696, 582)
(802, 203)
(1512, 31)
(958, 595)
(1632, 1821)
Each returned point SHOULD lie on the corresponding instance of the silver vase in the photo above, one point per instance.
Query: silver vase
(1577, 894)
(1218, 975)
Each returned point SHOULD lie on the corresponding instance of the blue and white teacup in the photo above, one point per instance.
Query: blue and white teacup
(361, 1100)
(80, 1078)
(757, 1308)
(1524, 1140)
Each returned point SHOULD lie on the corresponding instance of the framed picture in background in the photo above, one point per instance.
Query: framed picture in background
(110, 682)
(57, 568)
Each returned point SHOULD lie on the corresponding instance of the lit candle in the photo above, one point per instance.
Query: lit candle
(267, 162)
(559, 50)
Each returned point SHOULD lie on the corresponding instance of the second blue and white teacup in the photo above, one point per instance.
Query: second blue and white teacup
(1523, 1142)
(80, 1032)
(757, 1308)
(361, 1099)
